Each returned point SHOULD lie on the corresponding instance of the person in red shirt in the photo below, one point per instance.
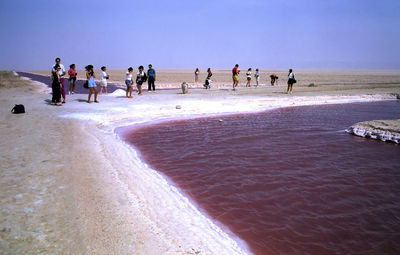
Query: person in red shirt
(235, 78)
(72, 79)
(274, 78)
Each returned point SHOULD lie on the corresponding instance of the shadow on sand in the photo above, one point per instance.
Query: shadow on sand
(47, 101)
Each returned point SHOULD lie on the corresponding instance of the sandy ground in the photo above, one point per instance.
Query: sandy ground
(69, 185)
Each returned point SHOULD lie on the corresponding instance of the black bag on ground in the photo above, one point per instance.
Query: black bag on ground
(18, 108)
(86, 84)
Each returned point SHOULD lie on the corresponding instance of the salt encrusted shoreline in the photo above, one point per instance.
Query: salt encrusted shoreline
(384, 130)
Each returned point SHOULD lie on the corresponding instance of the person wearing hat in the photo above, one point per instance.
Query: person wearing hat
(151, 78)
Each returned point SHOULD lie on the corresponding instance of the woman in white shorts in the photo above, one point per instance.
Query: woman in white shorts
(248, 76)
(129, 82)
(103, 80)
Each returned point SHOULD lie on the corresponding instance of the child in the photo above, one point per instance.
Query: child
(248, 75)
(257, 76)
(72, 79)
(129, 82)
(103, 80)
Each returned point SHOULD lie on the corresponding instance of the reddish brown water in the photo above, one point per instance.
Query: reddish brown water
(289, 181)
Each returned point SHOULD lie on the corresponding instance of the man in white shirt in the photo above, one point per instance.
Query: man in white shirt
(61, 73)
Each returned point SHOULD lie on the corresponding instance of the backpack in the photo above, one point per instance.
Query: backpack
(18, 108)
(144, 78)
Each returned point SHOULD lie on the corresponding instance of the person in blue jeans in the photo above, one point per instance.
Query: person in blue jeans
(151, 78)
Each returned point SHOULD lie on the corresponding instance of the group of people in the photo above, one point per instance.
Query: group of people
(235, 78)
(58, 73)
(141, 77)
(58, 84)
(256, 76)
(274, 78)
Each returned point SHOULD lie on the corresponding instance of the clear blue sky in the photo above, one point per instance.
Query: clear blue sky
(324, 34)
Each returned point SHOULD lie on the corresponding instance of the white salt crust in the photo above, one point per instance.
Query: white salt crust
(374, 133)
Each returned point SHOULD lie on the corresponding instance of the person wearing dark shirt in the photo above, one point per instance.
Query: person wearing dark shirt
(151, 78)
(56, 85)
(207, 82)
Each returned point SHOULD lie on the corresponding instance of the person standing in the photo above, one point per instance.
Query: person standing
(140, 78)
(235, 78)
(103, 80)
(291, 81)
(151, 76)
(248, 76)
(257, 76)
(91, 83)
(61, 73)
(72, 79)
(56, 85)
(196, 75)
(129, 82)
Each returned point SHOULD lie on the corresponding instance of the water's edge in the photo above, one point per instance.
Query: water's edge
(131, 125)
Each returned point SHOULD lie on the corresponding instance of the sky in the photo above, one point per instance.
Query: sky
(267, 34)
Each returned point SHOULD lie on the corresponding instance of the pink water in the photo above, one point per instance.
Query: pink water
(289, 181)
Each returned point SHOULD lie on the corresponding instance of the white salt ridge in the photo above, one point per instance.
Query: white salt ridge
(118, 92)
(379, 134)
